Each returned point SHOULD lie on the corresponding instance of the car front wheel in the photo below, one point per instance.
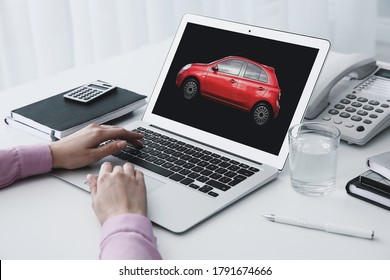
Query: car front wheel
(190, 88)
(261, 113)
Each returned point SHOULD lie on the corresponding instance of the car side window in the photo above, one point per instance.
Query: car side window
(255, 72)
(231, 66)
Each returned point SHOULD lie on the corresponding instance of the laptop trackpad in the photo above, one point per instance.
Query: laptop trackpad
(152, 184)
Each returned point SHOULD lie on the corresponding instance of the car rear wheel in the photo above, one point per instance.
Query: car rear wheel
(261, 113)
(190, 88)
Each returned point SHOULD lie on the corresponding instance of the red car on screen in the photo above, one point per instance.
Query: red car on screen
(235, 81)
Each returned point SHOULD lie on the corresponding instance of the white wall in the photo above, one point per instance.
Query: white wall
(40, 38)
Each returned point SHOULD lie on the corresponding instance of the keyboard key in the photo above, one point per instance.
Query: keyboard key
(213, 194)
(197, 169)
(215, 176)
(186, 181)
(218, 185)
(152, 167)
(185, 172)
(225, 180)
(193, 175)
(168, 165)
(177, 177)
(194, 160)
(211, 167)
(233, 168)
(194, 186)
(245, 172)
(224, 164)
(189, 165)
(176, 168)
(230, 174)
(202, 179)
(206, 172)
(236, 180)
(205, 189)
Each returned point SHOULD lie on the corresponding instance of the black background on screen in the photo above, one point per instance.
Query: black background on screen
(200, 44)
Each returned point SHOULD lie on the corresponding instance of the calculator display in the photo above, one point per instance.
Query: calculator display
(97, 87)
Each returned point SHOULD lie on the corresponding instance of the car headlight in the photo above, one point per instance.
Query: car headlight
(186, 67)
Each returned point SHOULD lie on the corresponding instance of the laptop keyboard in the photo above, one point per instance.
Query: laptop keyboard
(192, 166)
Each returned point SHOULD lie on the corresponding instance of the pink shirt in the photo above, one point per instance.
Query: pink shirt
(126, 236)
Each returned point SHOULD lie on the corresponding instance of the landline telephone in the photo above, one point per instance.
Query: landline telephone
(353, 94)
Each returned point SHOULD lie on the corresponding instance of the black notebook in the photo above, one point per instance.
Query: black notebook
(371, 187)
(56, 117)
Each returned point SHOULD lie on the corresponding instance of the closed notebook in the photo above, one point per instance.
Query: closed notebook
(380, 164)
(57, 117)
(371, 187)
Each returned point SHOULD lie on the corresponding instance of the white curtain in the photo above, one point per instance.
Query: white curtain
(39, 38)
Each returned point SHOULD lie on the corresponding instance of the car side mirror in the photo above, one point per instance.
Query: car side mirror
(215, 68)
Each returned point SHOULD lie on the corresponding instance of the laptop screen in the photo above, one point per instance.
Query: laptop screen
(235, 85)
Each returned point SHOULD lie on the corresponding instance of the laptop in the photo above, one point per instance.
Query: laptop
(216, 123)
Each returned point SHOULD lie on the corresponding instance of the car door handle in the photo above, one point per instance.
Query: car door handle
(261, 88)
(232, 80)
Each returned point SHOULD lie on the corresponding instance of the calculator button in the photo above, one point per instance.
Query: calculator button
(379, 111)
(351, 96)
(345, 101)
(367, 121)
(333, 112)
(385, 105)
(373, 116)
(350, 110)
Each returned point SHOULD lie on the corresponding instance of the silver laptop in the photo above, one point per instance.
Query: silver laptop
(216, 124)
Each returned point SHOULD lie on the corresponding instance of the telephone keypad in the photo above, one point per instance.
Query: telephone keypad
(360, 108)
(351, 112)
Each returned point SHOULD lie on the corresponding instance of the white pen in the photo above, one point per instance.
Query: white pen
(328, 227)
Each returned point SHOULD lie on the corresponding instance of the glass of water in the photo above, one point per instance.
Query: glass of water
(313, 157)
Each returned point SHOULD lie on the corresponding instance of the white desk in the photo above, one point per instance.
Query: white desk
(45, 218)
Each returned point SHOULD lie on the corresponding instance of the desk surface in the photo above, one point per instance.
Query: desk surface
(45, 218)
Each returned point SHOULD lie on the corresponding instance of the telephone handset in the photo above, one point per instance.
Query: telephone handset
(353, 94)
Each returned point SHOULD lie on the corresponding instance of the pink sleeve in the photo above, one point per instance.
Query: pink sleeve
(128, 236)
(23, 161)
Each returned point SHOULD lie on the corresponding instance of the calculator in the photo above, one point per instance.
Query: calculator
(89, 92)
